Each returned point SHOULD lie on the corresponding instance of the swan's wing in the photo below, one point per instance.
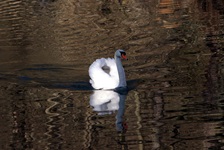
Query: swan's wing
(103, 73)
(110, 62)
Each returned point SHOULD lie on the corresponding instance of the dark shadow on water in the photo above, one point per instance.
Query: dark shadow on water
(61, 83)
(132, 84)
(47, 67)
(72, 86)
(82, 85)
(79, 85)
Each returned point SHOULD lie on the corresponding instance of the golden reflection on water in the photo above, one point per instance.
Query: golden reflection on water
(54, 123)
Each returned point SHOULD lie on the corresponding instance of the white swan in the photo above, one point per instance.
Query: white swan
(108, 73)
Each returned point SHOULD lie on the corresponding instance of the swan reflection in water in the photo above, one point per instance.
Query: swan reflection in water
(107, 102)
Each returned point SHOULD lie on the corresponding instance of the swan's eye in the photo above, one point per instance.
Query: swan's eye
(123, 53)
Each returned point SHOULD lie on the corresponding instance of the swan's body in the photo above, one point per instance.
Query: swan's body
(108, 73)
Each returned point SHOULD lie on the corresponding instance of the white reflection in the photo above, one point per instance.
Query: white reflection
(104, 102)
(107, 102)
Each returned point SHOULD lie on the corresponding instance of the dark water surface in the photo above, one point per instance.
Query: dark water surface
(175, 70)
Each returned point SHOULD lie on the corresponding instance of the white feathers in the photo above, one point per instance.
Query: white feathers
(104, 74)
(108, 73)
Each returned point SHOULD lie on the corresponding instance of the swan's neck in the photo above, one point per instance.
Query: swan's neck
(121, 73)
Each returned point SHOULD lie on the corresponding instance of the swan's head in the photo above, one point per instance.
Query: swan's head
(120, 54)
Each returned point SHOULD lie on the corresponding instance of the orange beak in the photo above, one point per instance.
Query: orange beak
(123, 56)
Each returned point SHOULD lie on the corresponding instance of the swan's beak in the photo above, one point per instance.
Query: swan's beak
(124, 56)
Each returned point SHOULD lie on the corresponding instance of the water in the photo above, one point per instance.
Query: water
(174, 71)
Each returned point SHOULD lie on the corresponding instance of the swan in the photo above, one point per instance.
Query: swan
(108, 73)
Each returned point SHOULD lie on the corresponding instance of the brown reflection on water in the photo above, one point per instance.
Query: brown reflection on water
(54, 124)
(40, 118)
(175, 53)
(167, 9)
